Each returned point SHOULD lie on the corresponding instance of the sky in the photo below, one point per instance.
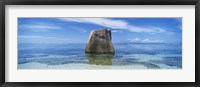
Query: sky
(77, 30)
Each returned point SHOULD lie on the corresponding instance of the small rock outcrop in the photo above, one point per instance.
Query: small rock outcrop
(100, 42)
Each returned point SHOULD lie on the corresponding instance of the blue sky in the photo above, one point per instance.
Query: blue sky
(77, 30)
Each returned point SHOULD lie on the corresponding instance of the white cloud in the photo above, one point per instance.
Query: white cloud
(99, 21)
(78, 28)
(41, 39)
(138, 40)
(40, 27)
(116, 24)
(145, 29)
(36, 37)
(114, 31)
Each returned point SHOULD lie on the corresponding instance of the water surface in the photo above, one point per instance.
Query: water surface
(73, 56)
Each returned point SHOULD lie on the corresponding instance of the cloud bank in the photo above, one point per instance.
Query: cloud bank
(40, 27)
(138, 40)
(114, 24)
(41, 39)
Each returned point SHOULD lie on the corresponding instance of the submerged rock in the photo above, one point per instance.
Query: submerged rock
(100, 42)
(99, 59)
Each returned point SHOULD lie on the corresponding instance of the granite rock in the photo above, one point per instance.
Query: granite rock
(100, 42)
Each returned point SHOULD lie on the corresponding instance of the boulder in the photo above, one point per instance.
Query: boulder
(100, 42)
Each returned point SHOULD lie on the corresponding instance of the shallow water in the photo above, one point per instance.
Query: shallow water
(72, 56)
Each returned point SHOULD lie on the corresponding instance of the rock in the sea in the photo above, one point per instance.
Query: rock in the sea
(100, 42)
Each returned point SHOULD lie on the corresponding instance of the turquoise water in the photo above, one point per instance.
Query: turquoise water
(127, 56)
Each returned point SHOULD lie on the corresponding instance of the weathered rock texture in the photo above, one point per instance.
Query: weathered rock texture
(100, 42)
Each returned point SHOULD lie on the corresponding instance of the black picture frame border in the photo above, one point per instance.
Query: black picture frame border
(98, 2)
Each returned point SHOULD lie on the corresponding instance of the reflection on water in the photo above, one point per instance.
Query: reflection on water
(99, 59)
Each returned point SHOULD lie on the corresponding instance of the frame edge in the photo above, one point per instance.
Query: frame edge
(197, 41)
(2, 43)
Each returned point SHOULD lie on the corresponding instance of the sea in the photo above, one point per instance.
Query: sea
(72, 56)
